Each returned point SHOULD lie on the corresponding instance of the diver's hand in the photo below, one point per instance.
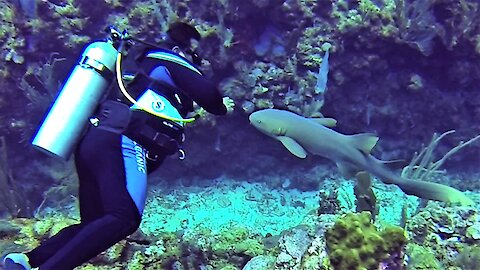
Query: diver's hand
(229, 104)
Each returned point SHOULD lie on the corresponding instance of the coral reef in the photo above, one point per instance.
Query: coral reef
(12, 41)
(403, 69)
(446, 233)
(293, 245)
(12, 200)
(366, 199)
(200, 239)
(355, 243)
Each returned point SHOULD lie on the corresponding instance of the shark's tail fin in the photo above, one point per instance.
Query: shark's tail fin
(364, 141)
(433, 191)
(422, 189)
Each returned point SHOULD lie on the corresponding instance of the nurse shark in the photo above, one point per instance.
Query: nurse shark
(351, 153)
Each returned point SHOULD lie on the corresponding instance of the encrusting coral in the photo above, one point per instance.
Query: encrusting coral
(355, 243)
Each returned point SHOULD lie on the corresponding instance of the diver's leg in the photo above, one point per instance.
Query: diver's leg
(50, 246)
(90, 208)
(122, 216)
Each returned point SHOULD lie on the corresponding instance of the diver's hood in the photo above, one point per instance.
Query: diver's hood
(180, 33)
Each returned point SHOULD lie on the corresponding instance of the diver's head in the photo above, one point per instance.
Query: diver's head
(183, 39)
(181, 34)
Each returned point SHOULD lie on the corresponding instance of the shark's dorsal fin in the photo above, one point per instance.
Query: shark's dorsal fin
(347, 170)
(293, 146)
(364, 141)
(328, 122)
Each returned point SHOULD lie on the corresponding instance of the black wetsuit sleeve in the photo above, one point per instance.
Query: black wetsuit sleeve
(204, 92)
(201, 90)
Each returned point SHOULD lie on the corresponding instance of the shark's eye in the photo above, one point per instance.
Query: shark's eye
(259, 121)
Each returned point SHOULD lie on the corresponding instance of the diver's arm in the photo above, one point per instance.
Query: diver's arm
(204, 92)
(196, 86)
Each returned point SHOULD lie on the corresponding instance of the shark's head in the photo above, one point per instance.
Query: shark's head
(269, 121)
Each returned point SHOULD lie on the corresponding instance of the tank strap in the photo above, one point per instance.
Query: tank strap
(112, 116)
(103, 70)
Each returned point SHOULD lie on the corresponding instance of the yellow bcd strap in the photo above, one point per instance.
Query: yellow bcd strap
(133, 101)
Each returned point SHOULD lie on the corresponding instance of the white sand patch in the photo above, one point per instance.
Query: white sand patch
(252, 205)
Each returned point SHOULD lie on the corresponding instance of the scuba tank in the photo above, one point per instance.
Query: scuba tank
(83, 91)
(68, 117)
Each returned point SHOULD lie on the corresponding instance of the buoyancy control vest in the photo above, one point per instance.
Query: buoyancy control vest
(153, 88)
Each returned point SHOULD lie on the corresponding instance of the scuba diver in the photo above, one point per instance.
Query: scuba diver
(123, 142)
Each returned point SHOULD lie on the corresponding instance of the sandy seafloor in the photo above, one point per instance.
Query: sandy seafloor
(262, 209)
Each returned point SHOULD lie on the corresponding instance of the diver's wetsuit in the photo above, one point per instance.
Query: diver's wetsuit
(113, 177)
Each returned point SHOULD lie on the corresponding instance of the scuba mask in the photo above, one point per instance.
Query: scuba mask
(196, 58)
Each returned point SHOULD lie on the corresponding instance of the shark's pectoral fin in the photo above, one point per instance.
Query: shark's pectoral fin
(293, 146)
(347, 170)
(328, 122)
(364, 141)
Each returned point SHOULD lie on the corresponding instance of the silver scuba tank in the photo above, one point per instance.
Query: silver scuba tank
(67, 119)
